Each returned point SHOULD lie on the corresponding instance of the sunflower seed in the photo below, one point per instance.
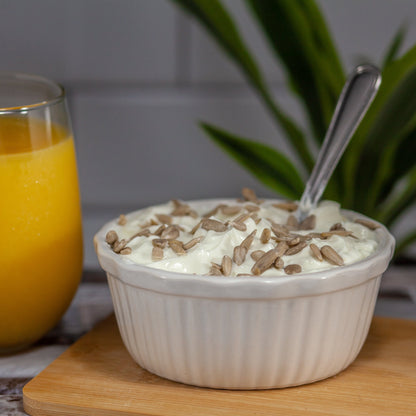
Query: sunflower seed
(176, 203)
(286, 206)
(159, 242)
(215, 270)
(308, 223)
(240, 226)
(249, 195)
(316, 252)
(294, 241)
(256, 254)
(292, 222)
(182, 210)
(342, 233)
(242, 217)
(226, 265)
(248, 241)
(111, 237)
(160, 230)
(119, 245)
(278, 263)
(252, 208)
(171, 232)
(230, 210)
(337, 226)
(296, 249)
(142, 233)
(192, 243)
(265, 262)
(177, 247)
(122, 220)
(369, 224)
(213, 211)
(195, 229)
(265, 235)
(238, 223)
(164, 219)
(301, 237)
(239, 255)
(157, 253)
(149, 223)
(279, 230)
(331, 256)
(255, 218)
(281, 248)
(314, 235)
(281, 238)
(214, 225)
(193, 214)
(292, 269)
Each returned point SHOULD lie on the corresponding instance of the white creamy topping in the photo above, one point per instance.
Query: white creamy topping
(215, 245)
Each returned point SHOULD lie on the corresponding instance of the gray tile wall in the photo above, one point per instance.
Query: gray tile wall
(140, 74)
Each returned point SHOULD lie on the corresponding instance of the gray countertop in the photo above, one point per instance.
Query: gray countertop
(92, 303)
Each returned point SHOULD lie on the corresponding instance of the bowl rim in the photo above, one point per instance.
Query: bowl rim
(302, 284)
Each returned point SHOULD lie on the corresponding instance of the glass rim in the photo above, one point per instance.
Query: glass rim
(59, 97)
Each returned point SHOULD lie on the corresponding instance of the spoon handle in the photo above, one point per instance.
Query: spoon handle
(356, 96)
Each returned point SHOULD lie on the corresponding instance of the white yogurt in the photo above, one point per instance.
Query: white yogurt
(215, 245)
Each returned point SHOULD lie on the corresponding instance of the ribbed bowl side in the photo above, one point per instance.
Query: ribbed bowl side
(244, 344)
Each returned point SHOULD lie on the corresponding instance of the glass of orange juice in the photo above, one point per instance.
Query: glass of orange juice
(40, 214)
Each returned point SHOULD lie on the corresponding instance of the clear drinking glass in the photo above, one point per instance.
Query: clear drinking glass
(40, 214)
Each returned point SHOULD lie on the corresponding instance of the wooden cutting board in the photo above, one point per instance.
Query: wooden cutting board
(96, 376)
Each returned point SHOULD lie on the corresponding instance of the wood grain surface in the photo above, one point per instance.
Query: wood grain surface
(96, 376)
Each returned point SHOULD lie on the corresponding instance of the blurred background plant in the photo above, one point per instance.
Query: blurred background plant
(377, 174)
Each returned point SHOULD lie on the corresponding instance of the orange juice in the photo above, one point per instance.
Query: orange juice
(40, 228)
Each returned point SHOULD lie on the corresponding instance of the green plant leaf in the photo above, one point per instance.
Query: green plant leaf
(271, 167)
(406, 153)
(220, 25)
(402, 161)
(323, 40)
(383, 139)
(395, 160)
(218, 22)
(396, 112)
(377, 174)
(298, 35)
(393, 75)
(294, 135)
(395, 45)
(401, 200)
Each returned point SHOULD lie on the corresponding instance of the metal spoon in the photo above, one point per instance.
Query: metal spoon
(356, 96)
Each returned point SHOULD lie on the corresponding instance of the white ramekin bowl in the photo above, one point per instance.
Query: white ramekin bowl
(244, 332)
